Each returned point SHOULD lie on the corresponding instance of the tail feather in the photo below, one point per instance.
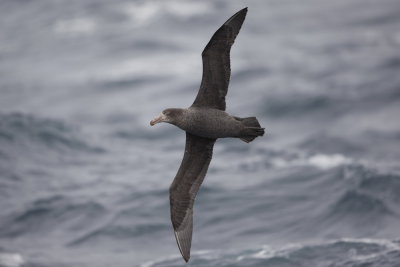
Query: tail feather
(249, 122)
(252, 129)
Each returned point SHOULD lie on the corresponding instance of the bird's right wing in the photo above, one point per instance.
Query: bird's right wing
(184, 188)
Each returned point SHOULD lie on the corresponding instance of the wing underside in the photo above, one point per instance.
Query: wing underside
(184, 188)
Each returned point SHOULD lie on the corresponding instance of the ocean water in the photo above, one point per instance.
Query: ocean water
(84, 179)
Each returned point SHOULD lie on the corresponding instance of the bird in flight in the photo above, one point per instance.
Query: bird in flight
(204, 122)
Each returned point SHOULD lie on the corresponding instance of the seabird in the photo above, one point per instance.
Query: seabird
(204, 122)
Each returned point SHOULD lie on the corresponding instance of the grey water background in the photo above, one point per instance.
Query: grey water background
(84, 179)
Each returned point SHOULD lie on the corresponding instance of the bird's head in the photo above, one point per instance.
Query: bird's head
(169, 115)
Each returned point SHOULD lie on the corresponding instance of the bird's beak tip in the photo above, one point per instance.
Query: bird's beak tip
(156, 120)
(153, 122)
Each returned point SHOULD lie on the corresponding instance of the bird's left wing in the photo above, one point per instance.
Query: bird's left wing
(216, 64)
(184, 188)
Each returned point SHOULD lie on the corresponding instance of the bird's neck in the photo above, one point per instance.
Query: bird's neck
(181, 117)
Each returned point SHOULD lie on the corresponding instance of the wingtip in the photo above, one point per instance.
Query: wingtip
(184, 246)
(241, 14)
(186, 258)
(243, 10)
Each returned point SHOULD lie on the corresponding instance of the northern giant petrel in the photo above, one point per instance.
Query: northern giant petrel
(204, 122)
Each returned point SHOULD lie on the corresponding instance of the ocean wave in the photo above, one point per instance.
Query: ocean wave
(50, 214)
(360, 206)
(126, 83)
(75, 26)
(26, 131)
(143, 13)
(369, 189)
(130, 220)
(329, 143)
(119, 232)
(354, 195)
(302, 104)
(300, 201)
(342, 252)
(134, 134)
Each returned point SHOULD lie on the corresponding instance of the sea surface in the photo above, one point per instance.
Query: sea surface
(84, 178)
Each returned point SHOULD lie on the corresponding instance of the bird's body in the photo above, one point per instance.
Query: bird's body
(204, 122)
(209, 123)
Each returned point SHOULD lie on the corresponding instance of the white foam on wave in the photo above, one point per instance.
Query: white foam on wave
(11, 260)
(267, 252)
(152, 263)
(322, 161)
(205, 254)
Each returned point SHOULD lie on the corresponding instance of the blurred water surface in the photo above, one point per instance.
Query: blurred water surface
(84, 179)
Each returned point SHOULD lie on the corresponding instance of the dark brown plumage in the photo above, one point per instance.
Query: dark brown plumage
(204, 122)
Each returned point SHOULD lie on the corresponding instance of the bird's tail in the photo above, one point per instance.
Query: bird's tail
(252, 129)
